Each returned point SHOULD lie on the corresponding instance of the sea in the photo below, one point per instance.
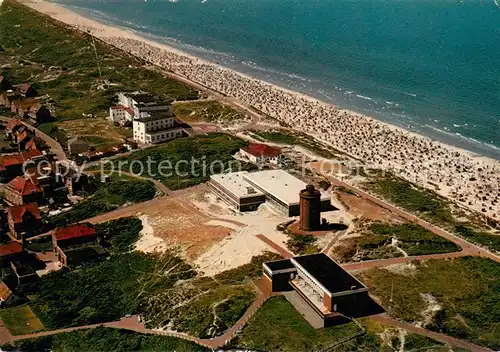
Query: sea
(430, 66)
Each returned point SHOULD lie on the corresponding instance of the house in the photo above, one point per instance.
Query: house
(261, 153)
(28, 91)
(5, 84)
(23, 272)
(7, 98)
(12, 126)
(9, 252)
(23, 190)
(75, 181)
(39, 114)
(11, 165)
(24, 137)
(76, 244)
(5, 294)
(22, 107)
(77, 146)
(24, 220)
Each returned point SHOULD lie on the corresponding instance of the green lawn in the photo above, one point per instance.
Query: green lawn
(466, 291)
(104, 340)
(186, 162)
(277, 326)
(21, 320)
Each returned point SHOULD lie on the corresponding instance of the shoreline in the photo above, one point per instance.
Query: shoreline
(379, 143)
(440, 134)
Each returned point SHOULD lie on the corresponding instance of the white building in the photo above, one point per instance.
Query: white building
(143, 104)
(156, 128)
(278, 188)
(121, 114)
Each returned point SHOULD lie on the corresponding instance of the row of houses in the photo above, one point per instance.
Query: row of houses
(73, 246)
(23, 101)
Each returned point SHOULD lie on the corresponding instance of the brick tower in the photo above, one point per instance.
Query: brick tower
(310, 209)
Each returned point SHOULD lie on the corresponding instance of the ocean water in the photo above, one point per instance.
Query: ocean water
(432, 66)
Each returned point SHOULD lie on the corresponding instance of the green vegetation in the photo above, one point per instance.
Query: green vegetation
(21, 320)
(382, 240)
(482, 238)
(108, 196)
(186, 162)
(207, 306)
(104, 340)
(106, 291)
(299, 139)
(418, 200)
(74, 81)
(467, 290)
(302, 244)
(434, 208)
(162, 288)
(413, 239)
(207, 111)
(277, 326)
(121, 234)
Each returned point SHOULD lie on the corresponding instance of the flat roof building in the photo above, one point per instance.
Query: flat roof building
(327, 289)
(275, 187)
(235, 191)
(282, 190)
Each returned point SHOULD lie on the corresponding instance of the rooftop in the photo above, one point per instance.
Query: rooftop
(74, 231)
(280, 184)
(23, 186)
(327, 273)
(236, 184)
(280, 265)
(17, 212)
(10, 248)
(258, 149)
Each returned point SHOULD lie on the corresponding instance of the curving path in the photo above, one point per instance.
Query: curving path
(468, 247)
(385, 319)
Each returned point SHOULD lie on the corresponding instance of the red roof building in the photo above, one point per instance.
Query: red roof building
(74, 231)
(71, 239)
(12, 125)
(261, 153)
(22, 190)
(23, 220)
(10, 249)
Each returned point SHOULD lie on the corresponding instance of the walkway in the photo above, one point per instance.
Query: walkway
(468, 247)
(370, 264)
(282, 251)
(385, 319)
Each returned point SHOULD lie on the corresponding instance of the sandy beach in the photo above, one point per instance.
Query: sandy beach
(470, 179)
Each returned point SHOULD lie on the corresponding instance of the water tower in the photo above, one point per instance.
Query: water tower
(310, 209)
